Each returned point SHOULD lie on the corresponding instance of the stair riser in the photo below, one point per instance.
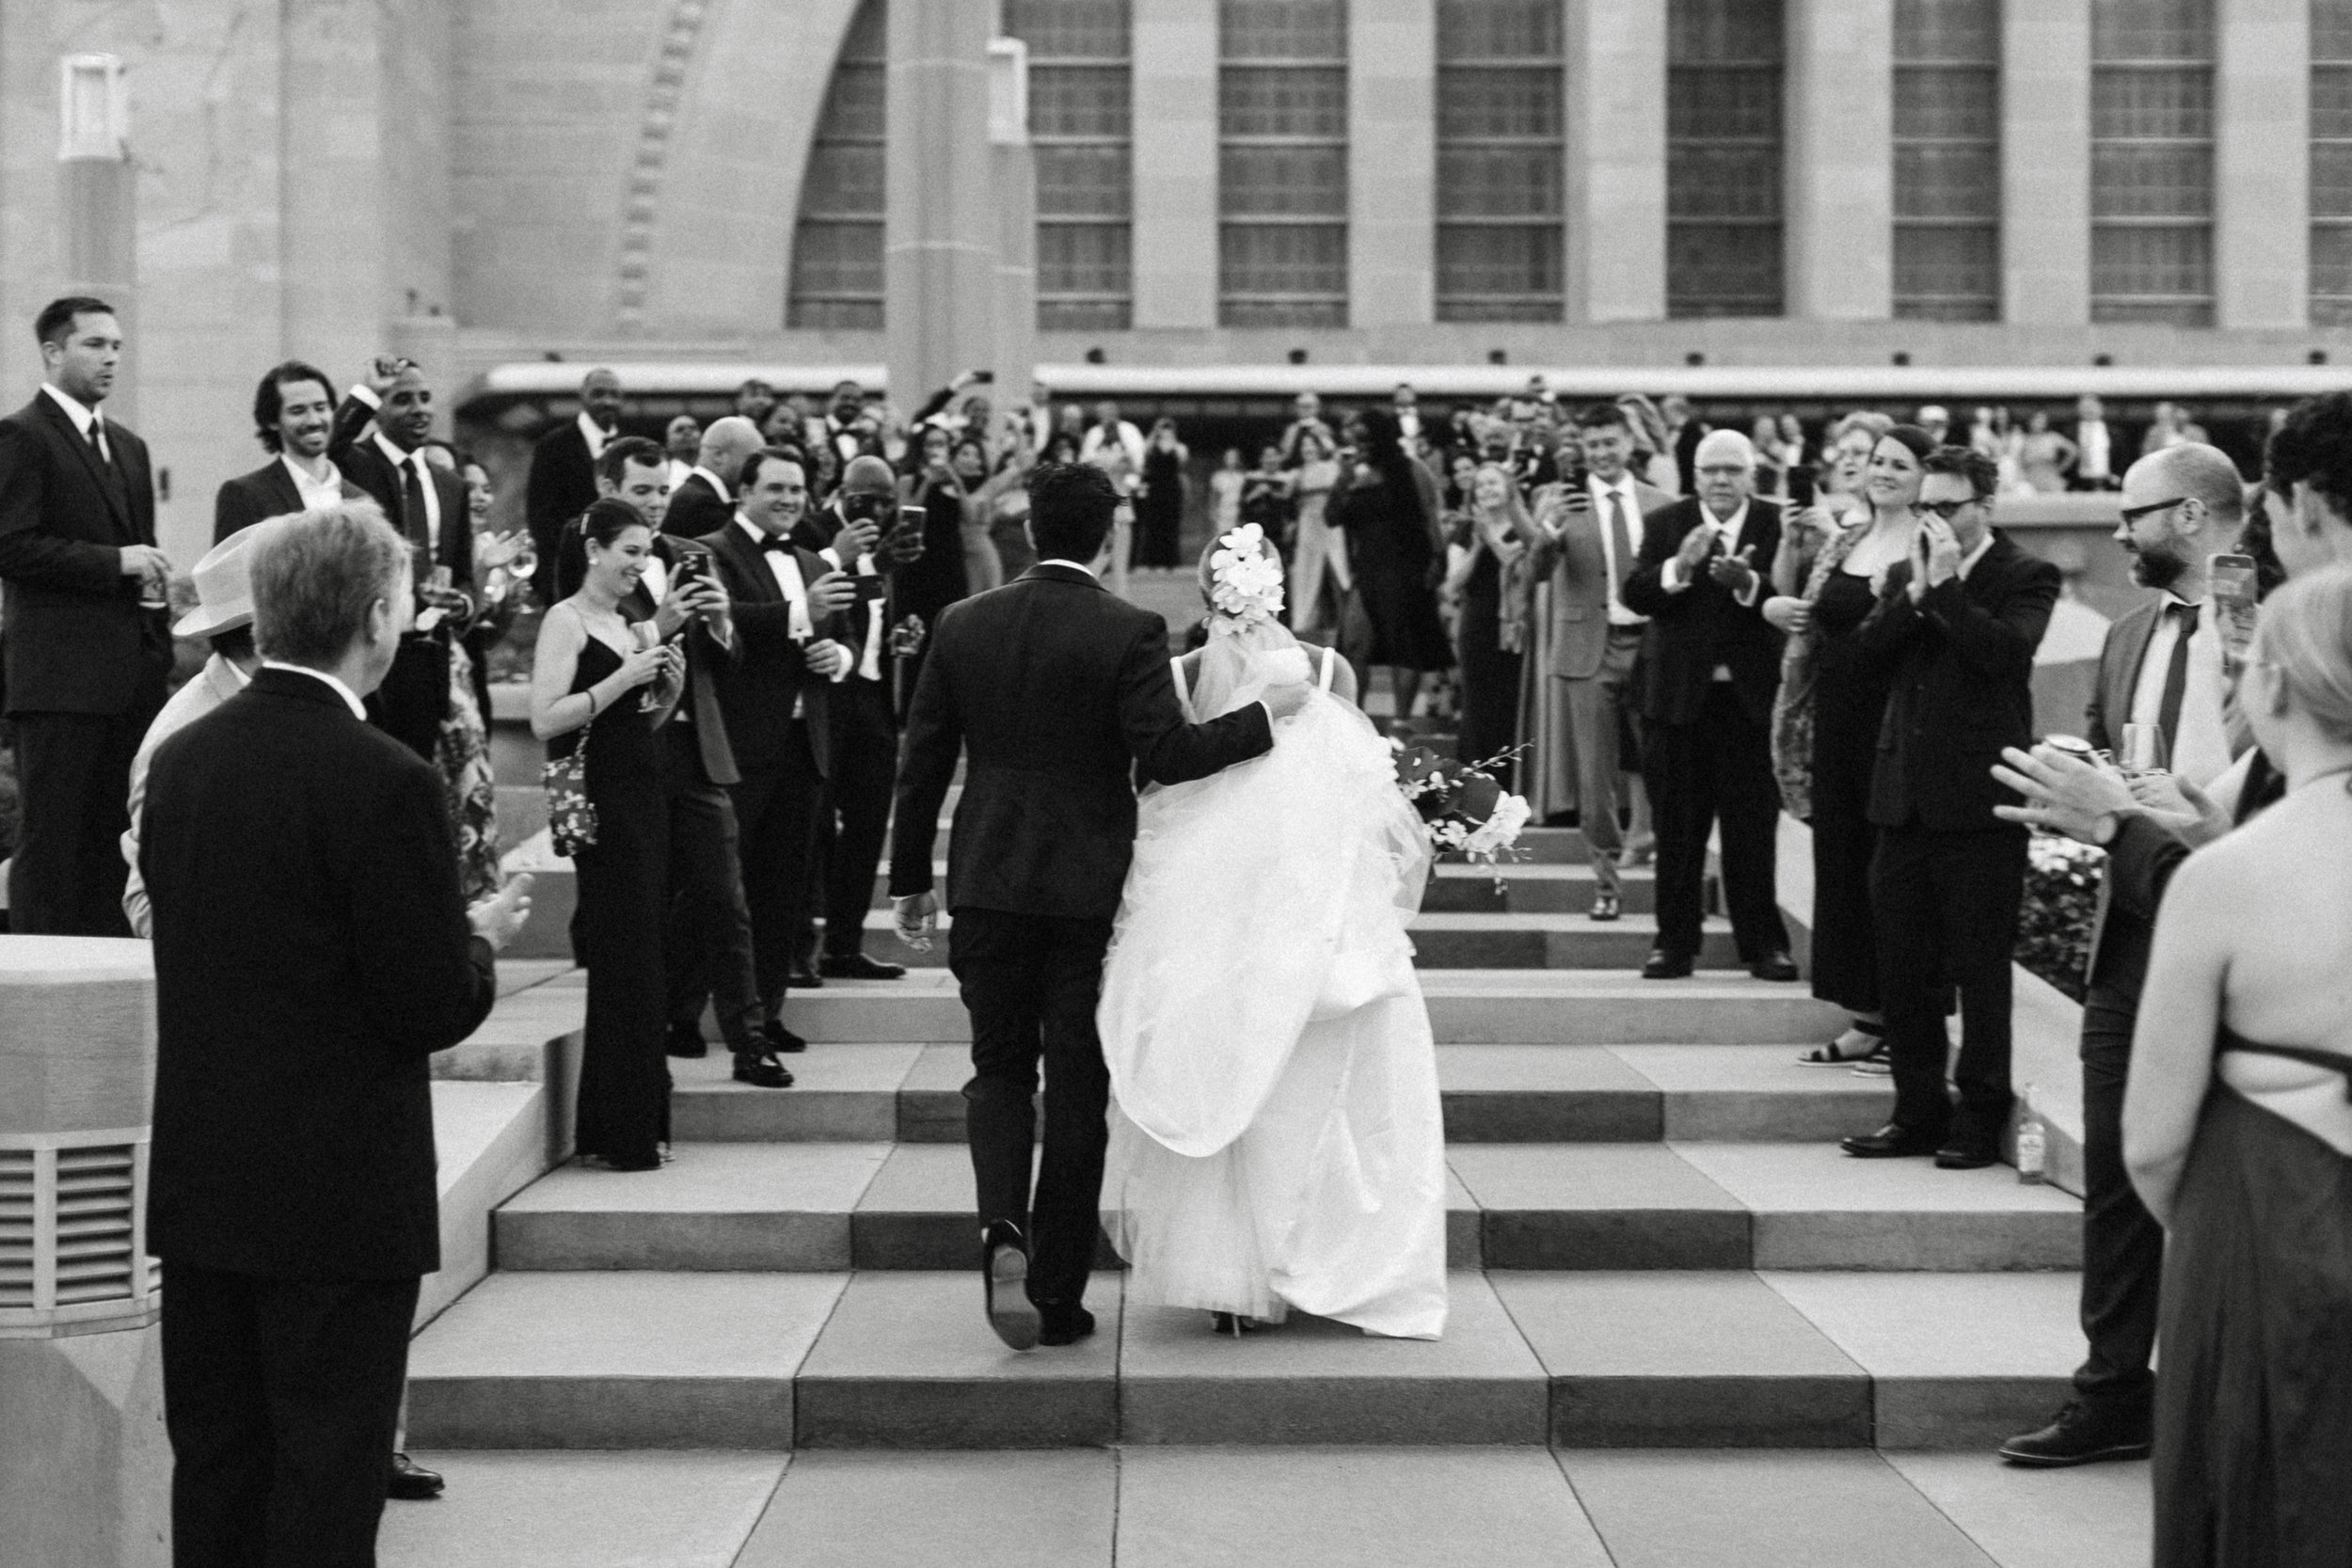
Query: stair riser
(1623, 948)
(819, 1412)
(1571, 895)
(1789, 1017)
(1574, 1239)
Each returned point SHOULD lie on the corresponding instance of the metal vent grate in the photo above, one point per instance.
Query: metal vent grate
(72, 1232)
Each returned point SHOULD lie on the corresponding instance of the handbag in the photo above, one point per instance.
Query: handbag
(571, 814)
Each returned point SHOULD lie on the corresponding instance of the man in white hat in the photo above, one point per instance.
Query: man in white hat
(224, 613)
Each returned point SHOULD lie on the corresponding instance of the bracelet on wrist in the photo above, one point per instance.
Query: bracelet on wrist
(591, 695)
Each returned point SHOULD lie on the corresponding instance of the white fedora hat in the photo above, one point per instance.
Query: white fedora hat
(224, 586)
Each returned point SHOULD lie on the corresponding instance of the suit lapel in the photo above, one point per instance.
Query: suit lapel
(109, 480)
(2133, 637)
(282, 486)
(750, 560)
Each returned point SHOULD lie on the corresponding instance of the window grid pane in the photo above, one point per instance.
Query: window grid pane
(1723, 131)
(838, 240)
(1948, 32)
(1282, 163)
(1947, 160)
(1501, 178)
(2151, 196)
(1081, 129)
(2330, 240)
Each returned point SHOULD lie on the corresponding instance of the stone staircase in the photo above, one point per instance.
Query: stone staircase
(1655, 1244)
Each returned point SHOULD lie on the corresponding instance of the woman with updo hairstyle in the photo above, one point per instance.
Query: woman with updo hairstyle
(1826, 724)
(2238, 1129)
(602, 681)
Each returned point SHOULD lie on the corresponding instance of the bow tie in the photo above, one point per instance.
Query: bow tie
(775, 544)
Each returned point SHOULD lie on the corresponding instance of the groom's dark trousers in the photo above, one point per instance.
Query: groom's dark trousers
(1058, 694)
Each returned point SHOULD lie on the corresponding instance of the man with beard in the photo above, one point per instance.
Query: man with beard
(2161, 666)
(293, 416)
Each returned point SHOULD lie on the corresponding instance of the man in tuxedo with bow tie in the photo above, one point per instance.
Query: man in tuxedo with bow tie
(86, 642)
(777, 702)
(428, 506)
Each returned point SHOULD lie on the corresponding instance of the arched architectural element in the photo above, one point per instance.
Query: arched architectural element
(836, 273)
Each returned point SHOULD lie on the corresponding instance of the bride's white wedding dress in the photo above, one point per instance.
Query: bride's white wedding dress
(1276, 1140)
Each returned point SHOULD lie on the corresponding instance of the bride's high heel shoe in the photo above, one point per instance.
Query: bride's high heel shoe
(1227, 1322)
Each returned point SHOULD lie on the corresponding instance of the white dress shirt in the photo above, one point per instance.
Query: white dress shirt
(83, 416)
(2091, 441)
(315, 493)
(869, 656)
(1101, 435)
(351, 698)
(399, 460)
(1631, 499)
(2201, 742)
(1728, 530)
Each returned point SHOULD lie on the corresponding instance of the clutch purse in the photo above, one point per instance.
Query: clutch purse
(571, 814)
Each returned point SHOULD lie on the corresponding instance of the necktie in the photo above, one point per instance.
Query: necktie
(2176, 675)
(412, 505)
(1620, 546)
(98, 439)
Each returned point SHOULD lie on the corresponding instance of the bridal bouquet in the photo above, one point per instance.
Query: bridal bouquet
(1463, 809)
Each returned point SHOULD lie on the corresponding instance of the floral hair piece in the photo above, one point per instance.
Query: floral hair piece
(1246, 582)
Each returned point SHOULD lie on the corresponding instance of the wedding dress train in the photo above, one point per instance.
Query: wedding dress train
(1274, 1139)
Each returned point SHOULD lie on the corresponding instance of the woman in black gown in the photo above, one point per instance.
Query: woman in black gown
(590, 686)
(1388, 508)
(1160, 505)
(2237, 1124)
(1847, 704)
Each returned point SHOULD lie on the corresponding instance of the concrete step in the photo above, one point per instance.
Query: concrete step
(1454, 942)
(1722, 1358)
(1562, 1006)
(815, 1207)
(1511, 887)
(1492, 1094)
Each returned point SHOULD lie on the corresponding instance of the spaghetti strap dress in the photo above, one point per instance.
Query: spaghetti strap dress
(2253, 1416)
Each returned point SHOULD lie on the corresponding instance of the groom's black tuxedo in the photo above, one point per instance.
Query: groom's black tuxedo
(1059, 694)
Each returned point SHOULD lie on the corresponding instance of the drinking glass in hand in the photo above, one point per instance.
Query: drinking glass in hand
(2143, 750)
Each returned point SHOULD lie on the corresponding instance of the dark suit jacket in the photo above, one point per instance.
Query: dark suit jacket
(1703, 625)
(312, 950)
(561, 485)
(267, 492)
(1961, 662)
(2120, 938)
(1059, 692)
(759, 693)
(695, 510)
(705, 658)
(76, 639)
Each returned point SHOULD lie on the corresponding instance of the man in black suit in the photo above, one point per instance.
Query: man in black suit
(777, 702)
(704, 501)
(848, 533)
(564, 472)
(707, 942)
(1954, 630)
(312, 949)
(86, 642)
(293, 416)
(429, 506)
(1712, 665)
(1061, 694)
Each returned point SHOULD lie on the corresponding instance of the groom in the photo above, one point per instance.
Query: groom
(1059, 693)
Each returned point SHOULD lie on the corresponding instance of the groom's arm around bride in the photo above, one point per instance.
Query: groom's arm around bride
(1058, 693)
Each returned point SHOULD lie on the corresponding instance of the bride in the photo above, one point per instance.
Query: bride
(1274, 1140)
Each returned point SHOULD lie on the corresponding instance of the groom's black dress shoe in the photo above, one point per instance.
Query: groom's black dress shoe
(1004, 1286)
(1893, 1140)
(1663, 965)
(857, 966)
(1061, 1323)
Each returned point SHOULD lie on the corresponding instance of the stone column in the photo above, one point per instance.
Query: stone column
(2262, 152)
(98, 197)
(2046, 163)
(1392, 162)
(939, 249)
(1617, 159)
(1012, 168)
(1840, 130)
(1174, 162)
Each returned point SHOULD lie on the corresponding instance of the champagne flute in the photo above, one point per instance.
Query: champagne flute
(2143, 750)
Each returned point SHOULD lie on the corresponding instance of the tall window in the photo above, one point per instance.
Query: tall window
(838, 245)
(1723, 158)
(1282, 163)
(2331, 163)
(1499, 154)
(1947, 160)
(1081, 122)
(2152, 161)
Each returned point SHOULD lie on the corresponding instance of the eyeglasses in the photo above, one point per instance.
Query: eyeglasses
(1948, 510)
(2134, 514)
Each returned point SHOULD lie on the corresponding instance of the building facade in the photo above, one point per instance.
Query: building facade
(1633, 183)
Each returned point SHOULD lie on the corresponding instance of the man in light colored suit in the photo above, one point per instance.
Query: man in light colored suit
(1592, 523)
